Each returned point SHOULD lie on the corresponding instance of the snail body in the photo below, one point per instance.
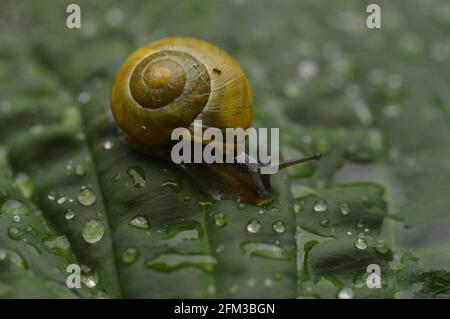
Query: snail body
(172, 83)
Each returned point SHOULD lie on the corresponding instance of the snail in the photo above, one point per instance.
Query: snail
(171, 83)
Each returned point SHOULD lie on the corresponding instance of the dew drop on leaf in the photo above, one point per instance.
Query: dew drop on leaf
(360, 244)
(344, 209)
(242, 206)
(298, 208)
(14, 207)
(253, 226)
(59, 242)
(137, 175)
(320, 205)
(61, 200)
(90, 280)
(220, 219)
(51, 196)
(346, 293)
(278, 226)
(86, 196)
(69, 214)
(324, 223)
(381, 248)
(79, 170)
(14, 233)
(252, 248)
(174, 185)
(130, 255)
(176, 233)
(173, 261)
(2, 254)
(93, 231)
(140, 222)
(24, 184)
(107, 145)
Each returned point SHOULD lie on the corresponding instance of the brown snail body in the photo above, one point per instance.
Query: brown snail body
(172, 82)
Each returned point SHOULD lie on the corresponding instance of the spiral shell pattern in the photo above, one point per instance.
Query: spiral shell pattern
(171, 83)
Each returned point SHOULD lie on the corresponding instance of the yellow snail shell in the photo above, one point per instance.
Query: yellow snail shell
(172, 82)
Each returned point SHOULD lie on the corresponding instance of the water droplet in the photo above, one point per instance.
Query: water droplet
(17, 218)
(392, 111)
(140, 222)
(346, 293)
(90, 281)
(70, 214)
(324, 223)
(251, 283)
(130, 255)
(86, 196)
(360, 244)
(220, 248)
(107, 145)
(298, 208)
(264, 250)
(14, 207)
(176, 233)
(164, 171)
(278, 226)
(300, 191)
(186, 198)
(204, 204)
(93, 231)
(114, 17)
(307, 70)
(344, 209)
(3, 254)
(381, 248)
(320, 205)
(79, 170)
(37, 129)
(220, 219)
(84, 97)
(24, 184)
(242, 206)
(137, 174)
(268, 282)
(253, 226)
(59, 242)
(172, 261)
(61, 200)
(14, 233)
(51, 196)
(174, 185)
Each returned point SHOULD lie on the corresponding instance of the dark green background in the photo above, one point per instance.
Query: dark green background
(375, 102)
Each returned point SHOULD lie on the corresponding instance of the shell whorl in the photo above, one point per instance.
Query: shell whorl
(174, 81)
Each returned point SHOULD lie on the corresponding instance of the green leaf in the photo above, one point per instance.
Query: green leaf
(375, 103)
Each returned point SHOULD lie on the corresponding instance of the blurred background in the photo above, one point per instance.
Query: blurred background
(375, 102)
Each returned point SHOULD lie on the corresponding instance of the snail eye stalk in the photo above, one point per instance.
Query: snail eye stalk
(289, 163)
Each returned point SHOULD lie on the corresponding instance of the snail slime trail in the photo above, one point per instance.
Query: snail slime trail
(233, 149)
